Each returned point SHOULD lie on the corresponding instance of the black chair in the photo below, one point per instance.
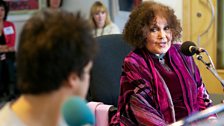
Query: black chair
(106, 71)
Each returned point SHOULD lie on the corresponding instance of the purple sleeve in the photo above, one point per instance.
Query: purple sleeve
(144, 113)
(137, 77)
(203, 97)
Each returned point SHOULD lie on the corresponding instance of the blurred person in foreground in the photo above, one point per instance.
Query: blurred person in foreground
(159, 85)
(100, 20)
(54, 59)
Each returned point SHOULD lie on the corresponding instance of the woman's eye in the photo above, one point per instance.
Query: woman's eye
(153, 29)
(167, 28)
(97, 13)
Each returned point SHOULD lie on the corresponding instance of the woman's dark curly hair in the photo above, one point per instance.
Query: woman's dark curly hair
(6, 7)
(143, 16)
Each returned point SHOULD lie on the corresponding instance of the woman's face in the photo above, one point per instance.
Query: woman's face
(159, 36)
(100, 18)
(55, 4)
(2, 12)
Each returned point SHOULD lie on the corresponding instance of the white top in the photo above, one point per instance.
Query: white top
(9, 117)
(109, 29)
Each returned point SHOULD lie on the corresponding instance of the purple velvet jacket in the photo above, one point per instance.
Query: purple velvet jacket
(144, 96)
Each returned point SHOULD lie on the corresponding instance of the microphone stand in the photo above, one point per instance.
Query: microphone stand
(210, 66)
(209, 111)
(200, 115)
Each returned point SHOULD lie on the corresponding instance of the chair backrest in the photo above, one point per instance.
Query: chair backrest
(101, 112)
(106, 71)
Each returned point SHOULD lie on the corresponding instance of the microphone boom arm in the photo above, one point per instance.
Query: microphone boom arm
(210, 66)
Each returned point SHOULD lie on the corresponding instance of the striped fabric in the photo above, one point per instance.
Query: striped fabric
(144, 96)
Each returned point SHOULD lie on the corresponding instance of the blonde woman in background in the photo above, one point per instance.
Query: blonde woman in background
(100, 20)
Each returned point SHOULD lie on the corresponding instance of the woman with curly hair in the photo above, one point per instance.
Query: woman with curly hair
(158, 85)
(100, 20)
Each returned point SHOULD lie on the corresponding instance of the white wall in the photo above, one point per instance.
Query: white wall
(177, 5)
(120, 17)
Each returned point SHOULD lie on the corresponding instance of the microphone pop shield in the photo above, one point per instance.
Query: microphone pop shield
(186, 48)
(76, 112)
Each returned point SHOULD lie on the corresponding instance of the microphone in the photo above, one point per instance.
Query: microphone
(189, 48)
(76, 112)
(197, 117)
